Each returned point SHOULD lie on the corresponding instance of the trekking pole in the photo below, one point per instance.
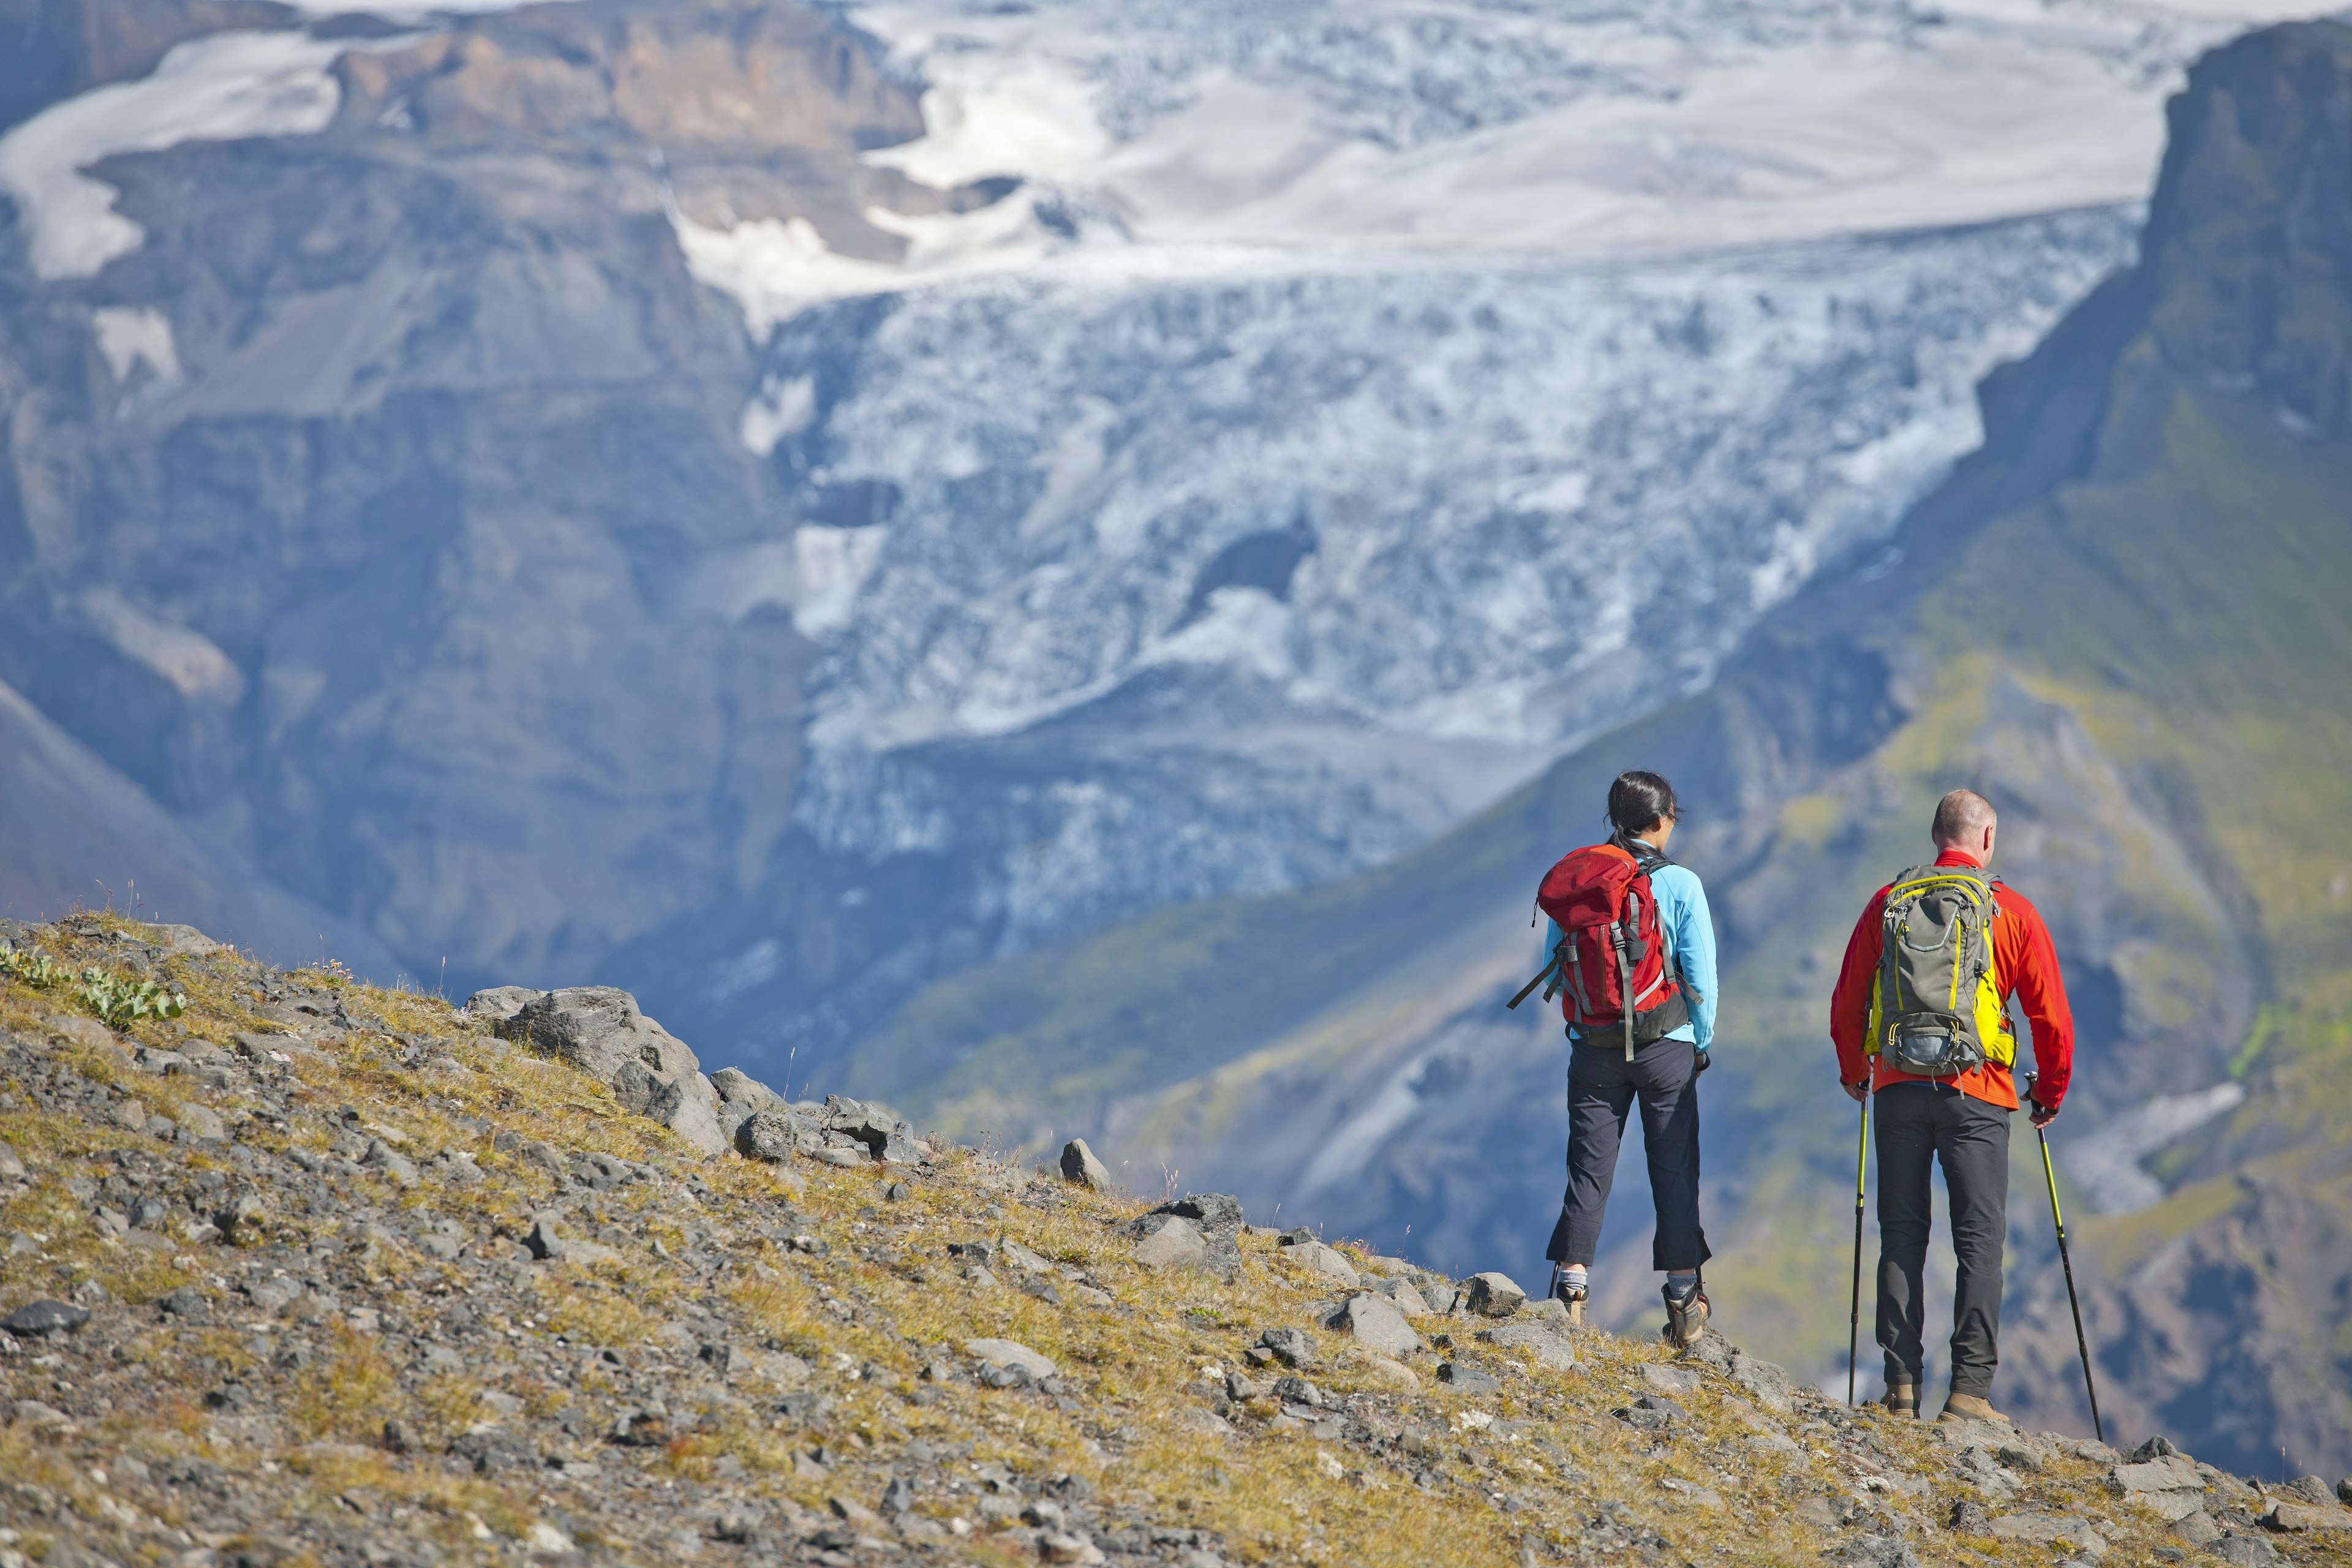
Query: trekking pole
(1853, 1316)
(2050, 1175)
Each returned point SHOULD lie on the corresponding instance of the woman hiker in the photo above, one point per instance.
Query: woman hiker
(1642, 927)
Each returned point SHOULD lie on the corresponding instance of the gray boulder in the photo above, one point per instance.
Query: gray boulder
(1079, 1165)
(774, 1134)
(1766, 1384)
(498, 1002)
(739, 1097)
(1494, 1295)
(1467, 1379)
(1552, 1348)
(1173, 1244)
(1010, 1353)
(1215, 1218)
(600, 1030)
(1376, 1324)
(1327, 1262)
(886, 1135)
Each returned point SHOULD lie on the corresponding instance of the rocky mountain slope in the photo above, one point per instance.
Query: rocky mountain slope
(316, 1272)
(2119, 619)
(661, 494)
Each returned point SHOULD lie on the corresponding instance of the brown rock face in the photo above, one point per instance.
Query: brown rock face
(754, 110)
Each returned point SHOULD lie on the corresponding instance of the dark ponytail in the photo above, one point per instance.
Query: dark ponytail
(1638, 799)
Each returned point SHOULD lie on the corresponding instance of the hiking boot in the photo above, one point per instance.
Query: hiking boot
(1969, 1408)
(1901, 1399)
(1686, 1319)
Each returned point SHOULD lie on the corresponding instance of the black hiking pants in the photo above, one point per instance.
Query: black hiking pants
(1920, 1123)
(1602, 1087)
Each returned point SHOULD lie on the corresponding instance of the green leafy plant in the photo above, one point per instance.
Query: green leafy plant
(31, 966)
(122, 1003)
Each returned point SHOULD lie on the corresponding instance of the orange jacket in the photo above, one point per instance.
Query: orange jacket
(2024, 966)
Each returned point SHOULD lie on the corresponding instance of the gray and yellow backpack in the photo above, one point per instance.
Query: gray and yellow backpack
(1935, 1003)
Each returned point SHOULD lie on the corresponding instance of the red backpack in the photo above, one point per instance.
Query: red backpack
(1610, 946)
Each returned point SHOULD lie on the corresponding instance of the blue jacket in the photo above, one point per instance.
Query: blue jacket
(1690, 935)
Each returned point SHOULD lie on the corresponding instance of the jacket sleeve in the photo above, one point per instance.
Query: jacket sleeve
(1693, 939)
(2030, 968)
(1849, 1002)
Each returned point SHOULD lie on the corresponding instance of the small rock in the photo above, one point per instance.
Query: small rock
(2294, 1517)
(397, 1166)
(1291, 1347)
(1551, 1311)
(241, 1219)
(643, 1428)
(545, 1241)
(1175, 1245)
(2310, 1489)
(498, 1002)
(1079, 1165)
(850, 1159)
(1010, 1353)
(32, 1413)
(2244, 1551)
(736, 1087)
(1054, 1546)
(1552, 1348)
(1874, 1552)
(2196, 1528)
(1679, 1380)
(187, 1302)
(80, 1031)
(1376, 1324)
(202, 1123)
(45, 1318)
(1326, 1261)
(1766, 1384)
(1410, 1301)
(2169, 1472)
(544, 1540)
(768, 1135)
(2033, 1529)
(1494, 1295)
(1466, 1380)
(1394, 1373)
(12, 1169)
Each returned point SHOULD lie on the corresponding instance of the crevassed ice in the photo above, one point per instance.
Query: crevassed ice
(1507, 473)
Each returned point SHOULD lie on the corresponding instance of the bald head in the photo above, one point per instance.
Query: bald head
(1965, 820)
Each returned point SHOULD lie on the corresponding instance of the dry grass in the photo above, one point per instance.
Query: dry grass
(1535, 1461)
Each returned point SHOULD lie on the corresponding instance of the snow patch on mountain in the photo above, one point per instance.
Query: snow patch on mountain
(214, 88)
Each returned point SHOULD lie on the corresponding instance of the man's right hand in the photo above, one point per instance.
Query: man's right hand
(1857, 1092)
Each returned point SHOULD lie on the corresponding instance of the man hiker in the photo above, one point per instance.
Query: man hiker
(1627, 921)
(1920, 1018)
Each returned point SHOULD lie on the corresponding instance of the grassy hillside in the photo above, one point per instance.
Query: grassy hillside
(320, 1274)
(2122, 619)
